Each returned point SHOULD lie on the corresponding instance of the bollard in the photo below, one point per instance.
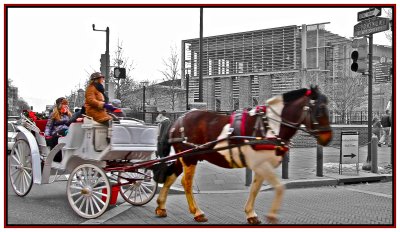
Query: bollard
(320, 160)
(249, 177)
(374, 154)
(285, 166)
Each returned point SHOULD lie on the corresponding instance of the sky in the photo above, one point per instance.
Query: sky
(52, 51)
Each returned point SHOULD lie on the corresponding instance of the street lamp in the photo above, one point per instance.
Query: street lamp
(187, 92)
(107, 74)
(144, 84)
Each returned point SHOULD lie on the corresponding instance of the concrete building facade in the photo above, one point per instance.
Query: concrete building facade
(244, 69)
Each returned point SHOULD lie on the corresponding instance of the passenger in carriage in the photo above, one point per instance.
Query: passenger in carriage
(57, 125)
(96, 101)
(77, 116)
(117, 112)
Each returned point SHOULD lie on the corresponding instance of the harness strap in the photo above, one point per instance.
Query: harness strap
(242, 159)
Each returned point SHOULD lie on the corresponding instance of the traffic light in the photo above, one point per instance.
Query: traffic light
(359, 55)
(120, 73)
(103, 64)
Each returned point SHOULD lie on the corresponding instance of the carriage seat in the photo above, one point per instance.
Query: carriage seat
(74, 137)
(41, 124)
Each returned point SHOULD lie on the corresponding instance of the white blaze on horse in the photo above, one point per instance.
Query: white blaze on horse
(257, 139)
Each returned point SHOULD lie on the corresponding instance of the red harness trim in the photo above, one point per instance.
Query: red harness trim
(261, 109)
(280, 150)
(259, 147)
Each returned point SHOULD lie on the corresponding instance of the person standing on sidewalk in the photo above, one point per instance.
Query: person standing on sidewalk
(386, 124)
(164, 124)
(376, 127)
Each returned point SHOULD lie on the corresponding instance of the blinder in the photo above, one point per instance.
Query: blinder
(316, 107)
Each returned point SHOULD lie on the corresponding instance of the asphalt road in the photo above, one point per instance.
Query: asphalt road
(361, 204)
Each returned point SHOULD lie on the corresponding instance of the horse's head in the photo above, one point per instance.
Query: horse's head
(303, 106)
(317, 120)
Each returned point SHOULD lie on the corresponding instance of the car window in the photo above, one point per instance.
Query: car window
(10, 127)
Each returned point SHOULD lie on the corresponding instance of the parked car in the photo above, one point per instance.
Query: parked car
(11, 134)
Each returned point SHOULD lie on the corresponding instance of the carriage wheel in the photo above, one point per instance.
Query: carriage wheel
(142, 190)
(20, 168)
(88, 191)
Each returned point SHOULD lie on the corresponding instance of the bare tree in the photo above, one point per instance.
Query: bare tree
(171, 75)
(127, 85)
(22, 105)
(345, 94)
(348, 93)
(389, 33)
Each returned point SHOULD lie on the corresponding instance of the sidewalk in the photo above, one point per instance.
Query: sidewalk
(302, 172)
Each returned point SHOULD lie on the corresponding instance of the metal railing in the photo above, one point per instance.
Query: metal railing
(352, 118)
(348, 118)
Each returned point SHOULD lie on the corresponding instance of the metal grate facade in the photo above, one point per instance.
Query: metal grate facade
(247, 52)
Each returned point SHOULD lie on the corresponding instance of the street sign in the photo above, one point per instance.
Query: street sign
(349, 151)
(366, 14)
(371, 26)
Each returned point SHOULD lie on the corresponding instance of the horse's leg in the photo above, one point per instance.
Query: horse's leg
(162, 196)
(187, 183)
(266, 170)
(249, 207)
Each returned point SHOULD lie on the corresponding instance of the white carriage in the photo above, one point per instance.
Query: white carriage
(99, 162)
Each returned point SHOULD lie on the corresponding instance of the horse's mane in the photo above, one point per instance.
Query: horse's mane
(293, 95)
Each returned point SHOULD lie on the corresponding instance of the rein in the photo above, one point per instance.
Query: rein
(294, 125)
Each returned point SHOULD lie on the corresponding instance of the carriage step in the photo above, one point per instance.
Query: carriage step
(57, 165)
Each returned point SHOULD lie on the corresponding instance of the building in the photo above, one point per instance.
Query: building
(12, 101)
(243, 69)
(168, 96)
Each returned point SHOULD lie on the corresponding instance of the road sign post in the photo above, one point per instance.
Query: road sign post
(369, 25)
(349, 150)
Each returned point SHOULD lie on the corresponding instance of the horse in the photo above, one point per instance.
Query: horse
(273, 124)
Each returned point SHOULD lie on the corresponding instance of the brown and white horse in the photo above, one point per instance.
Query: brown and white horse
(284, 113)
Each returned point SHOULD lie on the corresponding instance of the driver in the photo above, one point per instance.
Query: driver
(96, 101)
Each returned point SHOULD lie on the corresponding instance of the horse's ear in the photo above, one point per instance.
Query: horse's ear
(314, 88)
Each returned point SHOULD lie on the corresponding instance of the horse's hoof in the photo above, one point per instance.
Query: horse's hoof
(272, 219)
(161, 212)
(201, 218)
(253, 221)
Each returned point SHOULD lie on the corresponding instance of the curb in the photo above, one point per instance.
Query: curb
(306, 183)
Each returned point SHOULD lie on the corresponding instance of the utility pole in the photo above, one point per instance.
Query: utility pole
(201, 57)
(107, 77)
(107, 60)
(370, 97)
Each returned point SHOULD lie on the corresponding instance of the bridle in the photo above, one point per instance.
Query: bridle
(313, 116)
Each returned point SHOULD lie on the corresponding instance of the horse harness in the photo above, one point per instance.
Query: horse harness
(237, 134)
(259, 140)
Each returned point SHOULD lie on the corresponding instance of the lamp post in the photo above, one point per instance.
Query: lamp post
(107, 74)
(144, 83)
(187, 92)
(201, 57)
